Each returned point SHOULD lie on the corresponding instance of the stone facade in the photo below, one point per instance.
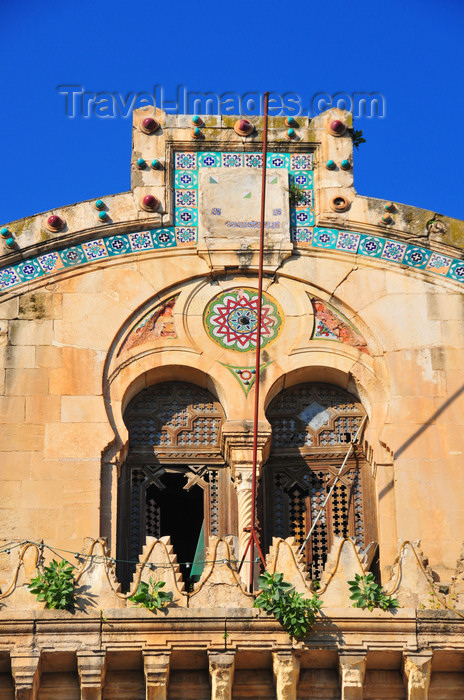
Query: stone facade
(127, 372)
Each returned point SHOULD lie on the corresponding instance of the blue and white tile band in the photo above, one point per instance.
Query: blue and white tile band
(91, 251)
(185, 231)
(382, 249)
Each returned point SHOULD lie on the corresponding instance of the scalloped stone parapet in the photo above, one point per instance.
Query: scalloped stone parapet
(343, 562)
(158, 561)
(411, 581)
(220, 585)
(284, 558)
(96, 583)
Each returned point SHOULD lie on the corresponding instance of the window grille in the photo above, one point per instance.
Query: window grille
(174, 435)
(312, 426)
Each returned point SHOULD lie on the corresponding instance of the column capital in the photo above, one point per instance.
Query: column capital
(237, 444)
(243, 478)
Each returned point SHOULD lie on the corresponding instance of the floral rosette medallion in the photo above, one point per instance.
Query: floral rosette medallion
(231, 319)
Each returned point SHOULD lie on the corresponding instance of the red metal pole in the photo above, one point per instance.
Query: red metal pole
(253, 538)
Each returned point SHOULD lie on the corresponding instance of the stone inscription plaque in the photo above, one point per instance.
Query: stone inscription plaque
(230, 202)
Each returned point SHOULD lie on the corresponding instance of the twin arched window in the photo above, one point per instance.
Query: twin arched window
(175, 481)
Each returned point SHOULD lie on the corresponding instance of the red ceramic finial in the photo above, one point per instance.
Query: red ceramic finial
(337, 127)
(54, 223)
(149, 125)
(243, 127)
(149, 202)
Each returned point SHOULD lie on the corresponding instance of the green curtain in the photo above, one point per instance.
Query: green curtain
(199, 558)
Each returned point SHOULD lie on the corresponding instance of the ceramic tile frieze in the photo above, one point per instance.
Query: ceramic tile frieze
(91, 251)
(185, 229)
(380, 248)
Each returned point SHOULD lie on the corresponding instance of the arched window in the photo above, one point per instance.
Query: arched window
(173, 481)
(312, 426)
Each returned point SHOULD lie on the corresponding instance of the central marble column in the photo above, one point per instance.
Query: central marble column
(237, 444)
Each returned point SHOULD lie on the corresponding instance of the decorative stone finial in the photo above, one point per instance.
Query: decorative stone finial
(243, 127)
(149, 125)
(337, 127)
(54, 223)
(149, 202)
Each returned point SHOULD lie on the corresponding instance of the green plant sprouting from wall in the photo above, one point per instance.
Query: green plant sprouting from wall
(295, 613)
(149, 595)
(296, 195)
(55, 585)
(366, 593)
(357, 138)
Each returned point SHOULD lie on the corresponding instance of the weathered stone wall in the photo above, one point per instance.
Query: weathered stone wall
(92, 314)
(59, 371)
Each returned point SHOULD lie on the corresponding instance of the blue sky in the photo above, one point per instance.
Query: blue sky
(409, 51)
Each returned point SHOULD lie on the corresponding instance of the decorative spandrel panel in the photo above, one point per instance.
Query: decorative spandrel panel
(157, 324)
(331, 324)
(312, 425)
